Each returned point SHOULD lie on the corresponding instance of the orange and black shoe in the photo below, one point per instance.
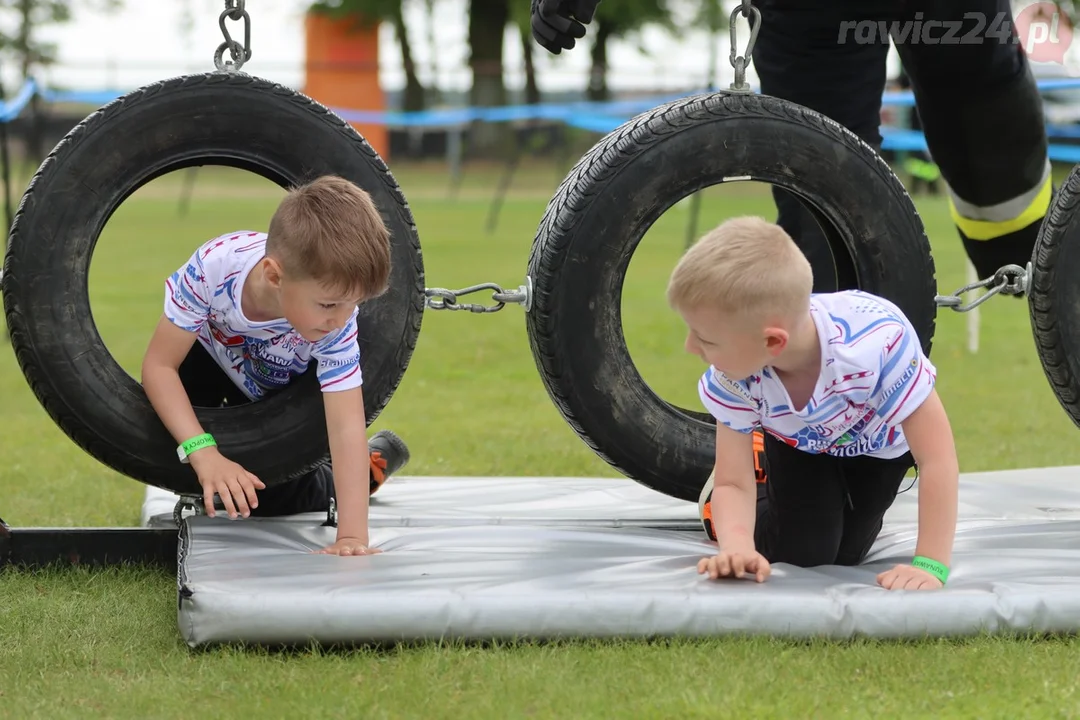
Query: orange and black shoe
(388, 454)
(705, 507)
(705, 498)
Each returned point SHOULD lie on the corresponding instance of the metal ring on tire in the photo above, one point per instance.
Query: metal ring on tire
(624, 184)
(204, 119)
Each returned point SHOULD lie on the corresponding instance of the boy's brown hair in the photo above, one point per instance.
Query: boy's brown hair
(746, 266)
(330, 230)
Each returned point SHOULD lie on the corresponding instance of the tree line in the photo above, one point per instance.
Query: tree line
(488, 19)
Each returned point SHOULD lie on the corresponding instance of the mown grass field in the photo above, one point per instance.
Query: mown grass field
(105, 644)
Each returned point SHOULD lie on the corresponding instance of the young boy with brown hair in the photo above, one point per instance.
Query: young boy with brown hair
(249, 312)
(845, 398)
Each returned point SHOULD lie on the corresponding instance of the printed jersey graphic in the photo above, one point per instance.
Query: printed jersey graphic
(873, 376)
(204, 297)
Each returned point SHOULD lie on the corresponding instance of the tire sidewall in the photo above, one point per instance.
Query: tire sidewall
(590, 233)
(203, 119)
(1053, 293)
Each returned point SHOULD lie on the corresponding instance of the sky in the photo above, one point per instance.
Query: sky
(141, 43)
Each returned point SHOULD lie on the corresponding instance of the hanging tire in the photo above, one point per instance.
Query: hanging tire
(205, 119)
(1054, 295)
(624, 184)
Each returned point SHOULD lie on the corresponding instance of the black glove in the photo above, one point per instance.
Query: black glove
(557, 24)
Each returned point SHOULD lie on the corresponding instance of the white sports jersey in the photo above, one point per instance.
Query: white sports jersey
(204, 297)
(873, 376)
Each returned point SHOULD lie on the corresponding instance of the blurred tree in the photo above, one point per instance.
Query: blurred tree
(487, 25)
(22, 47)
(487, 29)
(1066, 7)
(433, 51)
(713, 17)
(520, 18)
(368, 12)
(187, 23)
(24, 50)
(618, 19)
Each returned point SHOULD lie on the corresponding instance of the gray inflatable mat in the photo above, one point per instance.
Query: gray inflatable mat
(486, 558)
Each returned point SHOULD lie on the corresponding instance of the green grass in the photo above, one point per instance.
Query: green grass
(77, 643)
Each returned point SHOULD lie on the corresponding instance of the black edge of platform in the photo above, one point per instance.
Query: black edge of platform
(39, 547)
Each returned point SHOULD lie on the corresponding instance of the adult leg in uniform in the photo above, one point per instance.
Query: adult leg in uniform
(801, 55)
(983, 119)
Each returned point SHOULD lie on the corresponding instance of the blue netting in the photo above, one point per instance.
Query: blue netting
(599, 117)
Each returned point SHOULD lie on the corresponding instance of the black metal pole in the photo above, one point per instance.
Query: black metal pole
(35, 548)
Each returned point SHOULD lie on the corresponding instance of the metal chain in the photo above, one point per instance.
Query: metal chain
(241, 53)
(741, 62)
(1009, 280)
(331, 515)
(443, 299)
(187, 502)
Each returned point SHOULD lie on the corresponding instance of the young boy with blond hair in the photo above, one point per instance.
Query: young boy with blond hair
(246, 315)
(844, 396)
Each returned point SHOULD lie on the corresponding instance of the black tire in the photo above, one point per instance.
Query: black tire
(624, 184)
(202, 119)
(1054, 294)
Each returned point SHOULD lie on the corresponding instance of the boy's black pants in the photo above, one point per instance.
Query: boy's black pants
(817, 509)
(977, 102)
(207, 385)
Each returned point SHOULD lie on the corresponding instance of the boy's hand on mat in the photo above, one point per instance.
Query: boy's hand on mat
(907, 577)
(349, 546)
(735, 564)
(232, 483)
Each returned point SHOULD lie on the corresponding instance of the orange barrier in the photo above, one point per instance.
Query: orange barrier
(342, 70)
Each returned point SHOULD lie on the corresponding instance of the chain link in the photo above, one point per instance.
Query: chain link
(443, 299)
(187, 502)
(1009, 280)
(331, 515)
(240, 53)
(741, 62)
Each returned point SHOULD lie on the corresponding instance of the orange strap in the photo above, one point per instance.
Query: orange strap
(707, 521)
(378, 471)
(759, 456)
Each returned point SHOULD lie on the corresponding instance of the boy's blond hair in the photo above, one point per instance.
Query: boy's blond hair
(746, 266)
(329, 230)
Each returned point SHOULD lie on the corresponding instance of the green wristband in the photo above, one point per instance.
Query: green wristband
(196, 443)
(938, 570)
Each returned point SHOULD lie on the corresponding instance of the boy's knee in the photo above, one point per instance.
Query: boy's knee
(802, 555)
(808, 547)
(816, 549)
(795, 541)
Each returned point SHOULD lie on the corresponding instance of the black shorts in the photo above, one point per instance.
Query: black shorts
(207, 385)
(818, 509)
